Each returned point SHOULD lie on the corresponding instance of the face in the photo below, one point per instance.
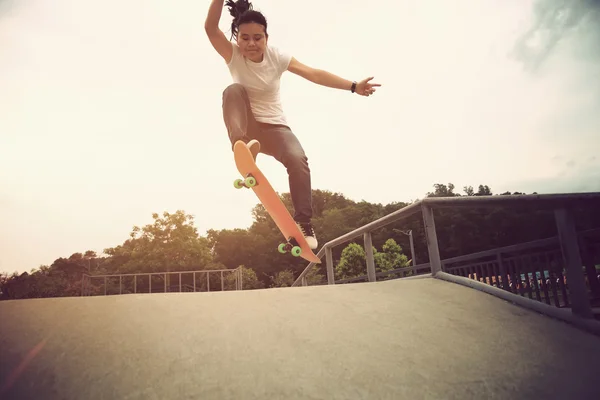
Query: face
(252, 41)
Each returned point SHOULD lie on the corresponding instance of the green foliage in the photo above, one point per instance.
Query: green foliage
(391, 257)
(315, 277)
(283, 279)
(353, 259)
(62, 278)
(250, 280)
(352, 262)
(171, 243)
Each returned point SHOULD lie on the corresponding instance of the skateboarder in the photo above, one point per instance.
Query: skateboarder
(252, 109)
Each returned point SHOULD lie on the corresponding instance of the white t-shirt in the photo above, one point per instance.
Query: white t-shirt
(262, 81)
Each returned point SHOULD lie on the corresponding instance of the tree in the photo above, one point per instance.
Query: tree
(171, 243)
(283, 279)
(353, 261)
(62, 278)
(442, 190)
(233, 247)
(484, 191)
(391, 257)
(315, 277)
(249, 280)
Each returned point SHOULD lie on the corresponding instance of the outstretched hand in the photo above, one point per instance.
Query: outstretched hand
(364, 88)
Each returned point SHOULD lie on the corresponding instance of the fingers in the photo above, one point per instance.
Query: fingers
(366, 82)
(368, 92)
(366, 88)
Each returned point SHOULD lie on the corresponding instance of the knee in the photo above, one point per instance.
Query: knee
(235, 89)
(296, 159)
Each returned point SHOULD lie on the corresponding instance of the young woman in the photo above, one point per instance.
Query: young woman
(252, 109)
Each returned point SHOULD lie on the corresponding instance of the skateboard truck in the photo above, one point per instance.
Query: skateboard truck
(249, 182)
(292, 246)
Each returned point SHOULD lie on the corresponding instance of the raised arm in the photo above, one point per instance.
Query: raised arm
(324, 78)
(217, 38)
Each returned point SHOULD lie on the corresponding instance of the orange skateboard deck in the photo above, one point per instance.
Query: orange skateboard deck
(256, 180)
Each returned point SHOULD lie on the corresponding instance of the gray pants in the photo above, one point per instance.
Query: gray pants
(277, 141)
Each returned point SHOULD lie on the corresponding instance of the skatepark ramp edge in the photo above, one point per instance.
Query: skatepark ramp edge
(579, 313)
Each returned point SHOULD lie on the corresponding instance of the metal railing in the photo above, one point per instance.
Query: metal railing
(132, 287)
(534, 269)
(562, 204)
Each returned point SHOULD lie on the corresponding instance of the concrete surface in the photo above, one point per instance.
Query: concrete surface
(410, 339)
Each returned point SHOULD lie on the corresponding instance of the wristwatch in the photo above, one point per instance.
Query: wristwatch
(353, 88)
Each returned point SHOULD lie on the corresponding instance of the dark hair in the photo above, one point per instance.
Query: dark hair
(242, 12)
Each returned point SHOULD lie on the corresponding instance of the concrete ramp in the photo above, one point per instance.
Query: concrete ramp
(409, 339)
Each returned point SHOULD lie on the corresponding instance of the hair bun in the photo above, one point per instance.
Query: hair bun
(238, 7)
(242, 12)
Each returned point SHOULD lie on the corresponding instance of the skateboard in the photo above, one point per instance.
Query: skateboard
(254, 179)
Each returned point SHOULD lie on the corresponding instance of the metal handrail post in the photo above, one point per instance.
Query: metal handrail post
(432, 241)
(569, 245)
(329, 262)
(370, 258)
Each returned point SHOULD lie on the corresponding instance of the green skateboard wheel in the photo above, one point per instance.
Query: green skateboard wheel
(238, 184)
(296, 251)
(281, 248)
(250, 181)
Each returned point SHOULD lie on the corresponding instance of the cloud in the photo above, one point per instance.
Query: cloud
(560, 49)
(557, 20)
(7, 6)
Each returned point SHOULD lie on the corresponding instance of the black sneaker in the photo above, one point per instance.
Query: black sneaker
(309, 234)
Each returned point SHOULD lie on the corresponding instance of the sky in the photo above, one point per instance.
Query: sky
(111, 111)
